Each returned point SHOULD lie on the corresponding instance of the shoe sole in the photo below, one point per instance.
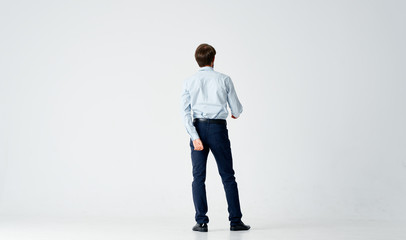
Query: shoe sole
(200, 230)
(232, 229)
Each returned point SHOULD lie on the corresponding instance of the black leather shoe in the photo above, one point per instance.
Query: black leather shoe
(200, 227)
(239, 227)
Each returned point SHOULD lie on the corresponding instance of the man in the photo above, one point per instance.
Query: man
(207, 94)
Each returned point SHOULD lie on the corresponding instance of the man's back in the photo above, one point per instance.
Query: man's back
(206, 94)
(208, 90)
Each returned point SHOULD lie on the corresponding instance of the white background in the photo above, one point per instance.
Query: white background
(90, 122)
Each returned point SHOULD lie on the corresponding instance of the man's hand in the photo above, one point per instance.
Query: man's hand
(232, 116)
(197, 143)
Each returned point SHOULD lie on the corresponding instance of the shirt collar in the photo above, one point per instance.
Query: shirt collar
(206, 68)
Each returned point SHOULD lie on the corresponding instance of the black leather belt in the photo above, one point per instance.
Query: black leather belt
(207, 120)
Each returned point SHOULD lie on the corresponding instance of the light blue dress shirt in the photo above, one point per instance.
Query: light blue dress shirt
(206, 94)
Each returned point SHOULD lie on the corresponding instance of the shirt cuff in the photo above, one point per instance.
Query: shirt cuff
(236, 115)
(194, 136)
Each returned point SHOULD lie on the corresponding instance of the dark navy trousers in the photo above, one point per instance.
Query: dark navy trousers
(215, 139)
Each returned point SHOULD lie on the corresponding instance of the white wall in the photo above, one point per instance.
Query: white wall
(89, 104)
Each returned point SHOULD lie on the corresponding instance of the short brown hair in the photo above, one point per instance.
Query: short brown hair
(205, 54)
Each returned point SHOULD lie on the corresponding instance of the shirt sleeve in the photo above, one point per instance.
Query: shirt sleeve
(232, 99)
(186, 113)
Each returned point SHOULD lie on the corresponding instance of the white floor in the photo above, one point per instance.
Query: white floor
(56, 228)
